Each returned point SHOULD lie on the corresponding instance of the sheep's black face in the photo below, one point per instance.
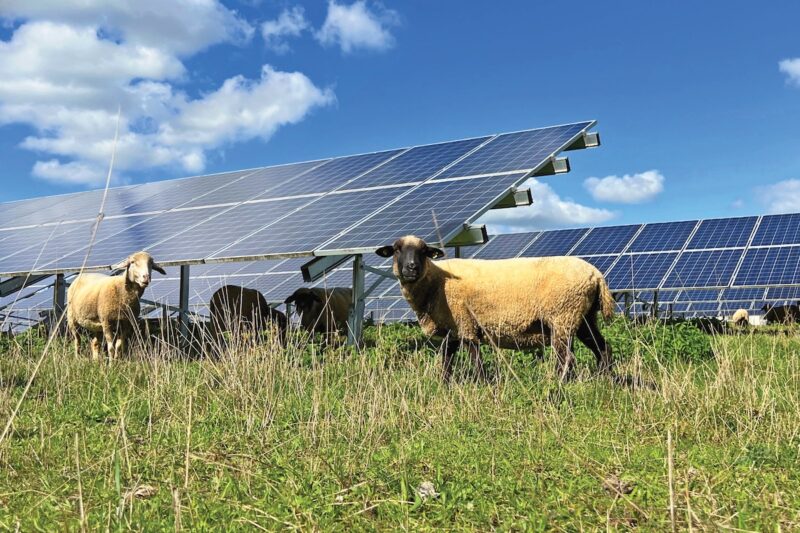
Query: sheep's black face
(411, 256)
(305, 301)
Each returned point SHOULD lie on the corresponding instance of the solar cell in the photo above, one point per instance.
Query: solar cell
(640, 271)
(666, 236)
(502, 246)
(437, 208)
(601, 262)
(606, 240)
(783, 293)
(704, 269)
(418, 163)
(743, 294)
(663, 296)
(699, 295)
(722, 233)
(524, 150)
(778, 229)
(557, 242)
(769, 266)
(308, 228)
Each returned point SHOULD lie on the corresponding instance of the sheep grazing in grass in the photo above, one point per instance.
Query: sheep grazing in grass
(322, 310)
(235, 308)
(108, 306)
(513, 303)
(781, 314)
(740, 318)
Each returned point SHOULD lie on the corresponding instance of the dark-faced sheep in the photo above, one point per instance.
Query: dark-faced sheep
(237, 309)
(322, 310)
(108, 306)
(781, 314)
(513, 303)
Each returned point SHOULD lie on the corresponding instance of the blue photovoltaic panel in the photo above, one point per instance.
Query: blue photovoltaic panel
(557, 242)
(663, 296)
(418, 163)
(517, 151)
(663, 237)
(680, 307)
(317, 222)
(729, 308)
(704, 269)
(770, 266)
(722, 233)
(640, 271)
(433, 209)
(265, 182)
(705, 307)
(601, 262)
(331, 175)
(783, 293)
(778, 229)
(699, 295)
(503, 246)
(607, 240)
(743, 294)
(12, 213)
(203, 240)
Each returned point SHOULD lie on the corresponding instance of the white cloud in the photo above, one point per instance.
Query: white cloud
(627, 189)
(357, 26)
(781, 197)
(791, 67)
(290, 23)
(548, 211)
(66, 78)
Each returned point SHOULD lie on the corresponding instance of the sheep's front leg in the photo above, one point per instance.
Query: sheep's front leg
(477, 360)
(120, 345)
(76, 338)
(96, 344)
(450, 348)
(110, 340)
(565, 360)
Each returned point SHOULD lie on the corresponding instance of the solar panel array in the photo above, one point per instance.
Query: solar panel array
(318, 207)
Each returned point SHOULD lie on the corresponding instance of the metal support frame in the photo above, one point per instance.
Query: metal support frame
(556, 165)
(319, 266)
(655, 304)
(59, 300)
(457, 252)
(183, 312)
(516, 198)
(12, 285)
(587, 140)
(470, 236)
(628, 304)
(355, 320)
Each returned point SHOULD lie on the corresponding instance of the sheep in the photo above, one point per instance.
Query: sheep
(233, 307)
(781, 314)
(322, 310)
(514, 303)
(741, 318)
(108, 306)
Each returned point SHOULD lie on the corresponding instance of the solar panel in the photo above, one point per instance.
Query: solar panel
(704, 269)
(517, 151)
(769, 266)
(665, 236)
(783, 293)
(640, 271)
(418, 163)
(699, 295)
(601, 262)
(503, 246)
(743, 294)
(778, 229)
(607, 240)
(437, 208)
(557, 242)
(722, 233)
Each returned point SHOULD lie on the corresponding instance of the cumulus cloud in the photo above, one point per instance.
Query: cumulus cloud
(791, 67)
(358, 26)
(66, 77)
(781, 197)
(290, 23)
(627, 189)
(548, 211)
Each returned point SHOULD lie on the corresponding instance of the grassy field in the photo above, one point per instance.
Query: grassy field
(270, 438)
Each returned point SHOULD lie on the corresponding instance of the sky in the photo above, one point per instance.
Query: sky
(697, 103)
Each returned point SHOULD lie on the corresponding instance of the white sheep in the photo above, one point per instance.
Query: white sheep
(741, 317)
(322, 310)
(518, 303)
(108, 306)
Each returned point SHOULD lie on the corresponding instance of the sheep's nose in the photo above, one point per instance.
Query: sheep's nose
(411, 265)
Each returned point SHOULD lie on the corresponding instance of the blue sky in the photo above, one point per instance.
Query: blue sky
(698, 117)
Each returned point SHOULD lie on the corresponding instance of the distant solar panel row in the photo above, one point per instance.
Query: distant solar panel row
(318, 207)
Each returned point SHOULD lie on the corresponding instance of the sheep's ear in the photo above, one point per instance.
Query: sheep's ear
(434, 253)
(291, 299)
(158, 269)
(125, 263)
(385, 251)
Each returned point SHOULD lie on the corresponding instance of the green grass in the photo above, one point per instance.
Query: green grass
(340, 440)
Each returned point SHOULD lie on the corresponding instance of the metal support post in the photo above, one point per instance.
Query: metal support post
(183, 313)
(355, 321)
(59, 302)
(628, 305)
(457, 252)
(655, 304)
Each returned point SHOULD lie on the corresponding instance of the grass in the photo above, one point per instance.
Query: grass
(271, 438)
